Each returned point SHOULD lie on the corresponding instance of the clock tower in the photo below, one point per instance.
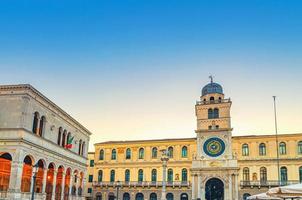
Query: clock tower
(214, 168)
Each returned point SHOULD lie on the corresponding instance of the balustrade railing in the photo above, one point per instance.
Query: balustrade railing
(268, 183)
(141, 184)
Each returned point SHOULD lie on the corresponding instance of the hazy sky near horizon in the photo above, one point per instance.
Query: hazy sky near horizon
(134, 69)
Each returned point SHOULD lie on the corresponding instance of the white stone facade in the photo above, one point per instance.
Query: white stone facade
(25, 142)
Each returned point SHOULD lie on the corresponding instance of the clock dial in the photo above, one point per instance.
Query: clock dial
(214, 147)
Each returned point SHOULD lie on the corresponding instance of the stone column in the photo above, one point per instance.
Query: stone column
(63, 185)
(77, 185)
(14, 189)
(230, 187)
(70, 186)
(236, 187)
(199, 192)
(54, 183)
(44, 180)
(193, 187)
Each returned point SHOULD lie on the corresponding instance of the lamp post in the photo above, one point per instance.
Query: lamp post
(35, 170)
(277, 141)
(164, 159)
(118, 185)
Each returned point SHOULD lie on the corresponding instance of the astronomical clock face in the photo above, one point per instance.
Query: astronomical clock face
(214, 147)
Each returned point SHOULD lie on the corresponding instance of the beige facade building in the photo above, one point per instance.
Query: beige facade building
(42, 148)
(214, 165)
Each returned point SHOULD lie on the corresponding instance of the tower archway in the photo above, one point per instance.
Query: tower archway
(214, 189)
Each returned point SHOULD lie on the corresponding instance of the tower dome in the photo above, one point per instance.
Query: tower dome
(212, 88)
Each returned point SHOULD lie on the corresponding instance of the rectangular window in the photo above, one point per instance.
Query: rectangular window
(91, 163)
(90, 178)
(89, 190)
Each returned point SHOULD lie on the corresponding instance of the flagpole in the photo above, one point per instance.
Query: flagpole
(277, 141)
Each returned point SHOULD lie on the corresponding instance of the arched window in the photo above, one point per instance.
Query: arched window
(300, 147)
(154, 152)
(216, 113)
(153, 196)
(42, 125)
(59, 136)
(126, 196)
(69, 141)
(184, 152)
(128, 153)
(141, 153)
(64, 140)
(263, 175)
(112, 176)
(300, 174)
(262, 149)
(210, 113)
(212, 98)
(113, 154)
(245, 149)
(127, 175)
(80, 147)
(282, 148)
(139, 196)
(101, 154)
(283, 172)
(170, 175)
(170, 196)
(154, 175)
(245, 196)
(184, 175)
(35, 123)
(100, 176)
(170, 152)
(83, 149)
(140, 175)
(246, 174)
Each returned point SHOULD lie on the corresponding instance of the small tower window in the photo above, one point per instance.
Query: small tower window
(216, 113)
(212, 99)
(210, 113)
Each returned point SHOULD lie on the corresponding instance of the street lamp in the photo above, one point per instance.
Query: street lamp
(35, 170)
(164, 159)
(118, 185)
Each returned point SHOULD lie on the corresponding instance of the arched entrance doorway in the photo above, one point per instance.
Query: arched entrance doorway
(126, 196)
(111, 196)
(5, 168)
(98, 196)
(170, 196)
(139, 196)
(26, 174)
(214, 189)
(153, 196)
(49, 181)
(184, 196)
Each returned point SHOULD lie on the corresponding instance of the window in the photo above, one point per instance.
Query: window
(283, 171)
(113, 154)
(282, 148)
(59, 136)
(210, 127)
(90, 178)
(140, 175)
(69, 141)
(154, 152)
(35, 123)
(89, 190)
(101, 157)
(80, 147)
(184, 152)
(246, 174)
(154, 175)
(127, 175)
(262, 149)
(153, 196)
(112, 176)
(83, 149)
(128, 153)
(300, 174)
(300, 147)
(42, 126)
(263, 175)
(245, 149)
(141, 153)
(217, 126)
(64, 140)
(210, 113)
(184, 175)
(170, 175)
(91, 163)
(170, 152)
(216, 113)
(100, 176)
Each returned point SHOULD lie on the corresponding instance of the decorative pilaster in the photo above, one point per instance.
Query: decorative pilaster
(44, 180)
(230, 187)
(14, 189)
(63, 185)
(199, 186)
(54, 185)
(70, 187)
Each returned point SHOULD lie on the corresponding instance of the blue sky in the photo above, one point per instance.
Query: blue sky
(134, 69)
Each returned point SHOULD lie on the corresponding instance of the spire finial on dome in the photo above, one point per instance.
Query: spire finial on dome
(211, 77)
